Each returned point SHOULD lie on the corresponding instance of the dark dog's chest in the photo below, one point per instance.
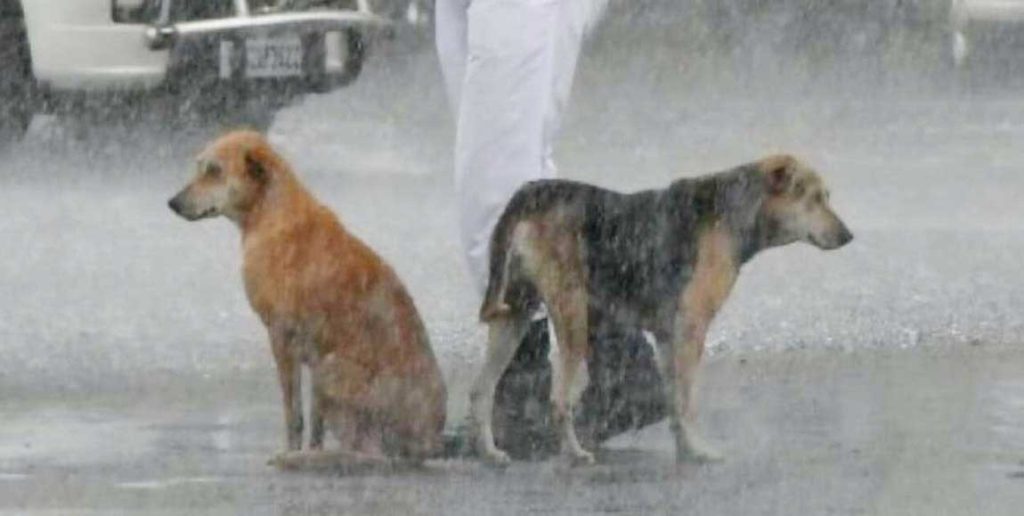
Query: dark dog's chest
(638, 252)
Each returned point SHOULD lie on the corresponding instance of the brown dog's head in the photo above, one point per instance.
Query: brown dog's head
(796, 206)
(231, 176)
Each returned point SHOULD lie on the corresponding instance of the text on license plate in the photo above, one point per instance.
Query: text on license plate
(273, 57)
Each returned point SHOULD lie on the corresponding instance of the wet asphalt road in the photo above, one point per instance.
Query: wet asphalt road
(925, 431)
(880, 379)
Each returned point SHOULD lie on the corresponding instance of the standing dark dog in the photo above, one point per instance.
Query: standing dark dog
(662, 260)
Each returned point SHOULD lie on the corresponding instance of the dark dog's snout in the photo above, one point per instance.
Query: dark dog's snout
(838, 236)
(845, 236)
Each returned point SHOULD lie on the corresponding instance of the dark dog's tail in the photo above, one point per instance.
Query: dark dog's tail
(532, 198)
(500, 255)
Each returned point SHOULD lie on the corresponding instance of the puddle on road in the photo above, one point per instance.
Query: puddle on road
(71, 437)
(169, 482)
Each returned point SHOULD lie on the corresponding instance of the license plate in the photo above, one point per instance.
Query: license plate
(273, 57)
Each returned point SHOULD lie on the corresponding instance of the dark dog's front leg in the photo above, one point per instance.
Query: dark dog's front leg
(681, 352)
(289, 372)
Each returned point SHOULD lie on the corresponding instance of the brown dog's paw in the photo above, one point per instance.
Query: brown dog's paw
(284, 461)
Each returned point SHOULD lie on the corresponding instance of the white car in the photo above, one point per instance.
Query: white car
(973, 21)
(209, 56)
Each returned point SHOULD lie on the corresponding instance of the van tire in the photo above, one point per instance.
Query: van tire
(17, 85)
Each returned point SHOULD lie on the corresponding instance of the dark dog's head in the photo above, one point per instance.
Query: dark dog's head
(796, 206)
(231, 176)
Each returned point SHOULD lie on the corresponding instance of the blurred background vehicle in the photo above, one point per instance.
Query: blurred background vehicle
(977, 25)
(233, 61)
(409, 12)
(16, 83)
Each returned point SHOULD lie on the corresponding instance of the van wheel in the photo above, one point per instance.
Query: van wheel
(356, 45)
(17, 86)
(217, 110)
(248, 115)
(353, 46)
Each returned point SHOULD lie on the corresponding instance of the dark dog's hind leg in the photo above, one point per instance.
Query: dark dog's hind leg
(625, 391)
(505, 334)
(522, 404)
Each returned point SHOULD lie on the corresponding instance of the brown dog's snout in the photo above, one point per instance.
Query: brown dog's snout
(176, 204)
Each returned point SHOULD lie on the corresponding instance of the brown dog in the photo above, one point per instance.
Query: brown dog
(328, 302)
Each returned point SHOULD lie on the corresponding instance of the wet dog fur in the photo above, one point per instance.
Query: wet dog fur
(661, 260)
(329, 303)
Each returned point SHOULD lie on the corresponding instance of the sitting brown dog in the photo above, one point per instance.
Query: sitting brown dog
(328, 302)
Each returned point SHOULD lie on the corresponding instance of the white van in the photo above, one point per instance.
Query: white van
(208, 56)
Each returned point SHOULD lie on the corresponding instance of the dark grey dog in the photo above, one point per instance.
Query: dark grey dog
(663, 261)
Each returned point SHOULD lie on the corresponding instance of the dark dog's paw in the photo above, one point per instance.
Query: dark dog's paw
(702, 454)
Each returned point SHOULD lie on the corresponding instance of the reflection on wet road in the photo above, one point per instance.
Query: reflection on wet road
(879, 432)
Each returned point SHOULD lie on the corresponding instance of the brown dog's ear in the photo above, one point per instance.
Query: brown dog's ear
(778, 173)
(255, 169)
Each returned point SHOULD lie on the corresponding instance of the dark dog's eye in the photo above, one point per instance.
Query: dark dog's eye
(820, 198)
(799, 189)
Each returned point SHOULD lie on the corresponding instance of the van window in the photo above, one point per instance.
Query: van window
(270, 6)
(143, 12)
(180, 10)
(191, 10)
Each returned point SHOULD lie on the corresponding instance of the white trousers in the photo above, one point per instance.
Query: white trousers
(508, 67)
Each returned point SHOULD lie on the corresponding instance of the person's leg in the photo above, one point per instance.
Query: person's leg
(497, 59)
(567, 41)
(624, 391)
(508, 67)
(502, 107)
(450, 27)
(522, 417)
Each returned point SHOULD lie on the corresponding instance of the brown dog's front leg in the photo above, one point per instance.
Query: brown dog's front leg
(316, 420)
(289, 373)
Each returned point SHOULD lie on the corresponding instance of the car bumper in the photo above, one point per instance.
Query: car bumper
(165, 36)
(212, 54)
(102, 58)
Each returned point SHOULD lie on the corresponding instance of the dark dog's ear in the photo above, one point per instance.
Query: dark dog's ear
(255, 169)
(778, 173)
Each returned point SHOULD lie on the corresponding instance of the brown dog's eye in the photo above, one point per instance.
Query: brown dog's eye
(819, 198)
(212, 170)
